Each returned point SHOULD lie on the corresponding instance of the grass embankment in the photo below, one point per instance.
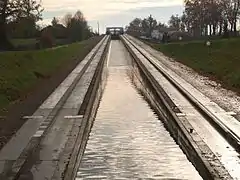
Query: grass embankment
(21, 71)
(220, 61)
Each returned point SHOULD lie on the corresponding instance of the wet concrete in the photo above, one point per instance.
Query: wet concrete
(128, 141)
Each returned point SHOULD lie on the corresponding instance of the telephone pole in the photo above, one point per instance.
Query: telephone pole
(98, 27)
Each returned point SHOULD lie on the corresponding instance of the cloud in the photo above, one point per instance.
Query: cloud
(111, 12)
(161, 14)
(93, 9)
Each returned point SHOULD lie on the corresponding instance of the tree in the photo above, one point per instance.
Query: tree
(134, 27)
(79, 16)
(144, 26)
(77, 26)
(148, 25)
(231, 8)
(194, 13)
(152, 24)
(6, 9)
(24, 27)
(206, 17)
(55, 21)
(11, 10)
(184, 23)
(67, 20)
(80, 28)
(175, 22)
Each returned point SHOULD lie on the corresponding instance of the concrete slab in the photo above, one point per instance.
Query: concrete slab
(43, 170)
(86, 79)
(76, 98)
(70, 79)
(54, 142)
(13, 149)
(4, 165)
(68, 150)
(54, 98)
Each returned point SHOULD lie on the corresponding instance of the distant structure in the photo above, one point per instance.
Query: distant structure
(173, 34)
(115, 32)
(156, 34)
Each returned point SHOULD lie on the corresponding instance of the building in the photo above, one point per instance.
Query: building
(172, 33)
(157, 35)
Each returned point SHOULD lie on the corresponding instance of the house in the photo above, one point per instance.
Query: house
(58, 31)
(178, 35)
(172, 34)
(157, 35)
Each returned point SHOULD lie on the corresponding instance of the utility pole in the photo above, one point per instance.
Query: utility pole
(98, 27)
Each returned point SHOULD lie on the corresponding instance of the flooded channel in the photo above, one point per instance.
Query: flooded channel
(127, 140)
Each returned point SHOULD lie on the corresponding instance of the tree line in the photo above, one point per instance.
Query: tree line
(200, 18)
(144, 26)
(71, 28)
(209, 17)
(18, 19)
(77, 27)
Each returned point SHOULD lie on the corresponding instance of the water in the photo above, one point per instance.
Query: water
(127, 140)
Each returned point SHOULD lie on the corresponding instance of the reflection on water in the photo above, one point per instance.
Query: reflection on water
(127, 139)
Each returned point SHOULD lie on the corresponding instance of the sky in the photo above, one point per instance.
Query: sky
(111, 12)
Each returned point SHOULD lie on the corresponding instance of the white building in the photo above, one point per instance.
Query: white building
(156, 34)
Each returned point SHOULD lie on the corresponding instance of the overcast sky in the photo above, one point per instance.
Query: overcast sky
(112, 12)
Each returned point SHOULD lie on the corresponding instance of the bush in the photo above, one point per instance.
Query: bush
(46, 40)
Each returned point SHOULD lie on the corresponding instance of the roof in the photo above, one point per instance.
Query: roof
(109, 28)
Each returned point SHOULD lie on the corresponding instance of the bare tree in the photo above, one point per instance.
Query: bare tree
(67, 20)
(55, 21)
(79, 16)
(77, 26)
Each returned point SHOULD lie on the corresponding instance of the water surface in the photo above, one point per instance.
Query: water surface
(127, 140)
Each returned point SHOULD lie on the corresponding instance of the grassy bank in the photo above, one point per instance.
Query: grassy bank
(21, 71)
(220, 61)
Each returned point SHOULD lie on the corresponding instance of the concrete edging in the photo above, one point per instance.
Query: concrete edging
(89, 111)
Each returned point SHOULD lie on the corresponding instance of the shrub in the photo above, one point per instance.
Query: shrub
(46, 40)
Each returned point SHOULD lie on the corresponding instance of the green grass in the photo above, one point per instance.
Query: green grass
(17, 68)
(220, 61)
